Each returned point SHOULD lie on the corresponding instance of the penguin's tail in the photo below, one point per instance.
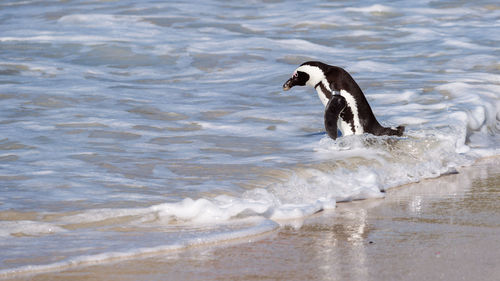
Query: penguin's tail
(399, 130)
(389, 131)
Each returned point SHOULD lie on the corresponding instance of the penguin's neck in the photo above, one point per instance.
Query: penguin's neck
(324, 91)
(318, 81)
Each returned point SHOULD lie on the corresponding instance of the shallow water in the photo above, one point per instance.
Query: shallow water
(438, 229)
(131, 128)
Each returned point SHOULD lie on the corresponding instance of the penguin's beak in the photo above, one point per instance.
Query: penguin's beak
(288, 84)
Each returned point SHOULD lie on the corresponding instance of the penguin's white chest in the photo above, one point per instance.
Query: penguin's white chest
(345, 127)
(324, 99)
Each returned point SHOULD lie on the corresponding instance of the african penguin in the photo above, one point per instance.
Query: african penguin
(346, 106)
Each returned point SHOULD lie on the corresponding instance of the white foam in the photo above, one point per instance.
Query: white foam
(477, 103)
(372, 66)
(376, 8)
(313, 187)
(258, 227)
(222, 208)
(463, 44)
(96, 215)
(392, 98)
(28, 228)
(109, 21)
(307, 191)
(303, 45)
(410, 120)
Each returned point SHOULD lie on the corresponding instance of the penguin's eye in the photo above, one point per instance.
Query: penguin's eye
(295, 75)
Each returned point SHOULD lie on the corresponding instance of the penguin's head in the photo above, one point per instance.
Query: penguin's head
(306, 74)
(299, 78)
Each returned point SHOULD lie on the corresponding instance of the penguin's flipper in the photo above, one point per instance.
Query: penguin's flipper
(333, 109)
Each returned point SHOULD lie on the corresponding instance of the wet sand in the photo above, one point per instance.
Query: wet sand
(441, 229)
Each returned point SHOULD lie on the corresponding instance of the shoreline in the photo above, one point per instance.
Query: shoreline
(439, 229)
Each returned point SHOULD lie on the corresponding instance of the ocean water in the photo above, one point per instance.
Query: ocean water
(130, 128)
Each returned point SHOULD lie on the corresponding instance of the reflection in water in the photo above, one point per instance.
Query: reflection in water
(342, 243)
(448, 194)
(423, 213)
(416, 205)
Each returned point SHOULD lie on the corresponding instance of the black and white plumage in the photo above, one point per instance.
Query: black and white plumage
(346, 106)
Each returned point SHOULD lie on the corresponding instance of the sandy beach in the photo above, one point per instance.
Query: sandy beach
(440, 229)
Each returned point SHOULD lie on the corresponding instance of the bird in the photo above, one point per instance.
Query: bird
(346, 107)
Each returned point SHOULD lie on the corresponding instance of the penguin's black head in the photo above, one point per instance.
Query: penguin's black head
(299, 78)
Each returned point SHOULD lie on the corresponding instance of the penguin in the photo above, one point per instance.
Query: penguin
(346, 107)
